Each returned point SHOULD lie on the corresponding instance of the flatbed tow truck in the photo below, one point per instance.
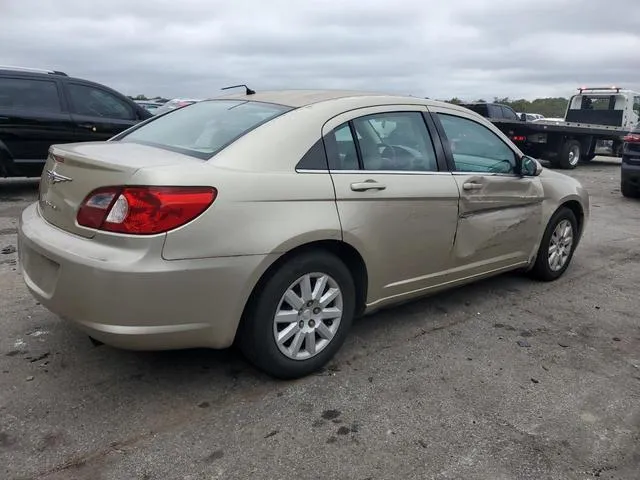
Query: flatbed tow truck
(593, 116)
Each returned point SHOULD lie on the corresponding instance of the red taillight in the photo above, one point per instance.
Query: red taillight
(519, 138)
(143, 210)
(632, 138)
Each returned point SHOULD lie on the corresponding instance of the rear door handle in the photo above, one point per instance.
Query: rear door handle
(88, 126)
(367, 185)
(471, 186)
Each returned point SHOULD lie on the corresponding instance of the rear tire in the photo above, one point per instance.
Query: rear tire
(544, 268)
(570, 154)
(259, 330)
(628, 190)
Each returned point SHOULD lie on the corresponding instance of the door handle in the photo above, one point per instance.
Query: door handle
(471, 186)
(367, 185)
(88, 126)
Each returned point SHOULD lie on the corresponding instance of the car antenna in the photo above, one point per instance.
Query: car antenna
(248, 91)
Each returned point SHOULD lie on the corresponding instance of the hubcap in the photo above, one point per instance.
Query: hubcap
(308, 316)
(560, 245)
(574, 155)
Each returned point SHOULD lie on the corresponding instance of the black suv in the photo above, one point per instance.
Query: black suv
(493, 111)
(39, 108)
(630, 169)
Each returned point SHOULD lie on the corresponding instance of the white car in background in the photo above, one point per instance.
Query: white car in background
(175, 103)
(549, 119)
(530, 117)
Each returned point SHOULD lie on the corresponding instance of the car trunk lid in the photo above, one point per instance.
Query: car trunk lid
(72, 171)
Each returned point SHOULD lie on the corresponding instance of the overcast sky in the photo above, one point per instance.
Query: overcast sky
(435, 48)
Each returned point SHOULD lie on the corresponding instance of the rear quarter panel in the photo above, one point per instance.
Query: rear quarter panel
(255, 214)
(263, 206)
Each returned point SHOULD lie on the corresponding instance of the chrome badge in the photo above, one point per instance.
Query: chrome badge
(53, 177)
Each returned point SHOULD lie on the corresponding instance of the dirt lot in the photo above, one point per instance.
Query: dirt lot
(438, 389)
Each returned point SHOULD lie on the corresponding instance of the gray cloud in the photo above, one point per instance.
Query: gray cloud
(465, 48)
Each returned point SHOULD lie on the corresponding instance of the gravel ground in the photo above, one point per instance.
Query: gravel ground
(504, 379)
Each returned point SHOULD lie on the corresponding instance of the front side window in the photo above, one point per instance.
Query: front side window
(508, 113)
(475, 148)
(94, 102)
(32, 95)
(204, 128)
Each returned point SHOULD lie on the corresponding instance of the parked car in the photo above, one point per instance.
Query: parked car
(493, 111)
(273, 219)
(175, 103)
(529, 117)
(149, 105)
(630, 169)
(41, 107)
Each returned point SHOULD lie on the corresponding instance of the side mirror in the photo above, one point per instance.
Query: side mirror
(530, 167)
(523, 117)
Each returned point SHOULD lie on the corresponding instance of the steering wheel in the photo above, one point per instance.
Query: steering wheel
(388, 152)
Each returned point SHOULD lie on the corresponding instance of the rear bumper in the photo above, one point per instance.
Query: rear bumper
(132, 298)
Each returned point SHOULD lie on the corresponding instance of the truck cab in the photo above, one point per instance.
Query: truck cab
(610, 106)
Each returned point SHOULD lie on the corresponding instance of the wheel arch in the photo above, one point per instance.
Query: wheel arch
(577, 210)
(572, 204)
(343, 250)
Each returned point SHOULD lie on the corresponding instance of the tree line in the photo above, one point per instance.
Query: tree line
(549, 107)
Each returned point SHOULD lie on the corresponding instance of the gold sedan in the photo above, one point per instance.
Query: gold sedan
(273, 219)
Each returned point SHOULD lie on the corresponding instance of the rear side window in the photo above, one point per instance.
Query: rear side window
(204, 128)
(94, 102)
(391, 141)
(26, 94)
(481, 109)
(495, 111)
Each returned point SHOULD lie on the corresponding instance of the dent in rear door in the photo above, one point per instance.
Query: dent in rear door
(402, 222)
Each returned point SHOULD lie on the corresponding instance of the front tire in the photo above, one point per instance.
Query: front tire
(556, 249)
(300, 317)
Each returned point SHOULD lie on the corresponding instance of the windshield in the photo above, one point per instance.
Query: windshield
(204, 128)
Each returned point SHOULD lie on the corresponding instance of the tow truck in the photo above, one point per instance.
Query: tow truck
(594, 115)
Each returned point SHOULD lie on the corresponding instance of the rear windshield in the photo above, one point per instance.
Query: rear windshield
(204, 128)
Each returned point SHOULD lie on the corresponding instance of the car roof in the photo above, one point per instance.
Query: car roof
(28, 71)
(302, 98)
